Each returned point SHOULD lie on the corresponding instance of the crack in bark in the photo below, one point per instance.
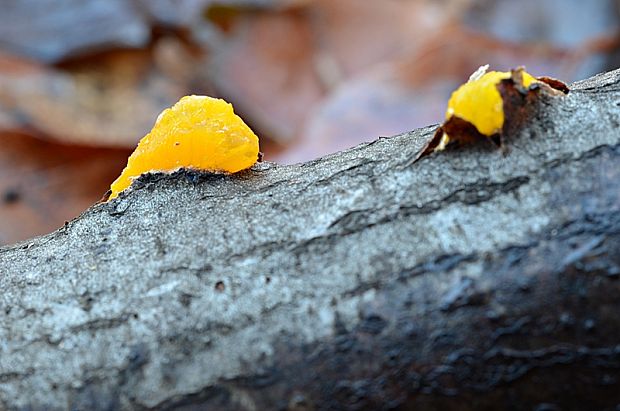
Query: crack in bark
(505, 365)
(472, 194)
(103, 323)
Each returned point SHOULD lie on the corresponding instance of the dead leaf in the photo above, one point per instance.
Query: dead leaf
(43, 184)
(277, 65)
(108, 100)
(266, 70)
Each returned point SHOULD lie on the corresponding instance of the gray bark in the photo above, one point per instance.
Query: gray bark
(475, 278)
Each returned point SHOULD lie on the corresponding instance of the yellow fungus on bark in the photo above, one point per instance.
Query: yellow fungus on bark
(198, 132)
(492, 106)
(479, 102)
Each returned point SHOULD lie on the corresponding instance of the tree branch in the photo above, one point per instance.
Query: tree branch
(470, 279)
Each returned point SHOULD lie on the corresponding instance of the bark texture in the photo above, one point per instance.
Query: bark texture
(475, 278)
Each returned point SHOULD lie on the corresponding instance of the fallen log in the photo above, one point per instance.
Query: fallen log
(474, 278)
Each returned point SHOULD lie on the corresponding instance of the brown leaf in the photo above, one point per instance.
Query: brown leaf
(555, 84)
(43, 184)
(266, 69)
(108, 100)
(278, 65)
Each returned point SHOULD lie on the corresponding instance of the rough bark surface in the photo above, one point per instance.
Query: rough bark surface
(475, 278)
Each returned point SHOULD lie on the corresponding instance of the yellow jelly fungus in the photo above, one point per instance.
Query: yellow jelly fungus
(478, 101)
(198, 132)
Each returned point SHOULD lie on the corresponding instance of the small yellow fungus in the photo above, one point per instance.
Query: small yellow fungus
(490, 105)
(479, 102)
(198, 132)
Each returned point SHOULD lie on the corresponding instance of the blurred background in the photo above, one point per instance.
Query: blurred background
(81, 81)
